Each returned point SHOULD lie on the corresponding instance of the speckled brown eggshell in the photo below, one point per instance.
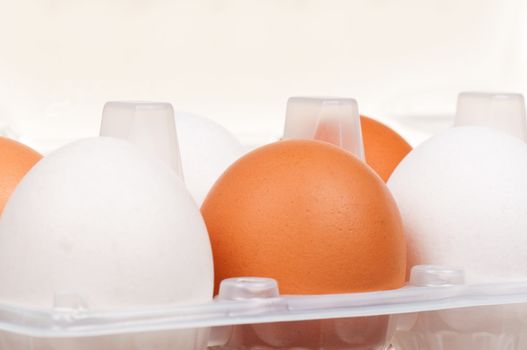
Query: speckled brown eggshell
(383, 147)
(308, 214)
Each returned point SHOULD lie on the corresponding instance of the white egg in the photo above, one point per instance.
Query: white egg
(463, 199)
(100, 222)
(207, 150)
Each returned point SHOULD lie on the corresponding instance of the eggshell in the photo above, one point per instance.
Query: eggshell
(383, 147)
(15, 161)
(462, 196)
(308, 214)
(207, 149)
(103, 224)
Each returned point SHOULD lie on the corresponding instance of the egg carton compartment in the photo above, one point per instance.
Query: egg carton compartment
(434, 311)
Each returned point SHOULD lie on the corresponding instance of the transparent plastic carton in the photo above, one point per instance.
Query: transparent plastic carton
(436, 310)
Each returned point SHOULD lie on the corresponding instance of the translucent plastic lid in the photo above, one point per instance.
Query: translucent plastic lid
(149, 125)
(501, 111)
(333, 120)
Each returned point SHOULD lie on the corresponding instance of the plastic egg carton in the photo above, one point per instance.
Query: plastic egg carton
(435, 311)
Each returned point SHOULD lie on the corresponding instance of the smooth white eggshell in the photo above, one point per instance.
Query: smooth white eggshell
(207, 149)
(463, 199)
(99, 220)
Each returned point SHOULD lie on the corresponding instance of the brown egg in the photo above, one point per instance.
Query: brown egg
(15, 161)
(383, 147)
(308, 214)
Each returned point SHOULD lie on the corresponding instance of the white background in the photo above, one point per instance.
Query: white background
(237, 62)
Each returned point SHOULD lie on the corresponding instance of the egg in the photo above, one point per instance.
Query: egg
(462, 199)
(16, 160)
(337, 121)
(383, 147)
(207, 149)
(100, 223)
(197, 149)
(380, 146)
(309, 215)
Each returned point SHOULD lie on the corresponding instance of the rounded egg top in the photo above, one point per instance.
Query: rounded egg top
(207, 149)
(308, 214)
(99, 220)
(462, 199)
(383, 147)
